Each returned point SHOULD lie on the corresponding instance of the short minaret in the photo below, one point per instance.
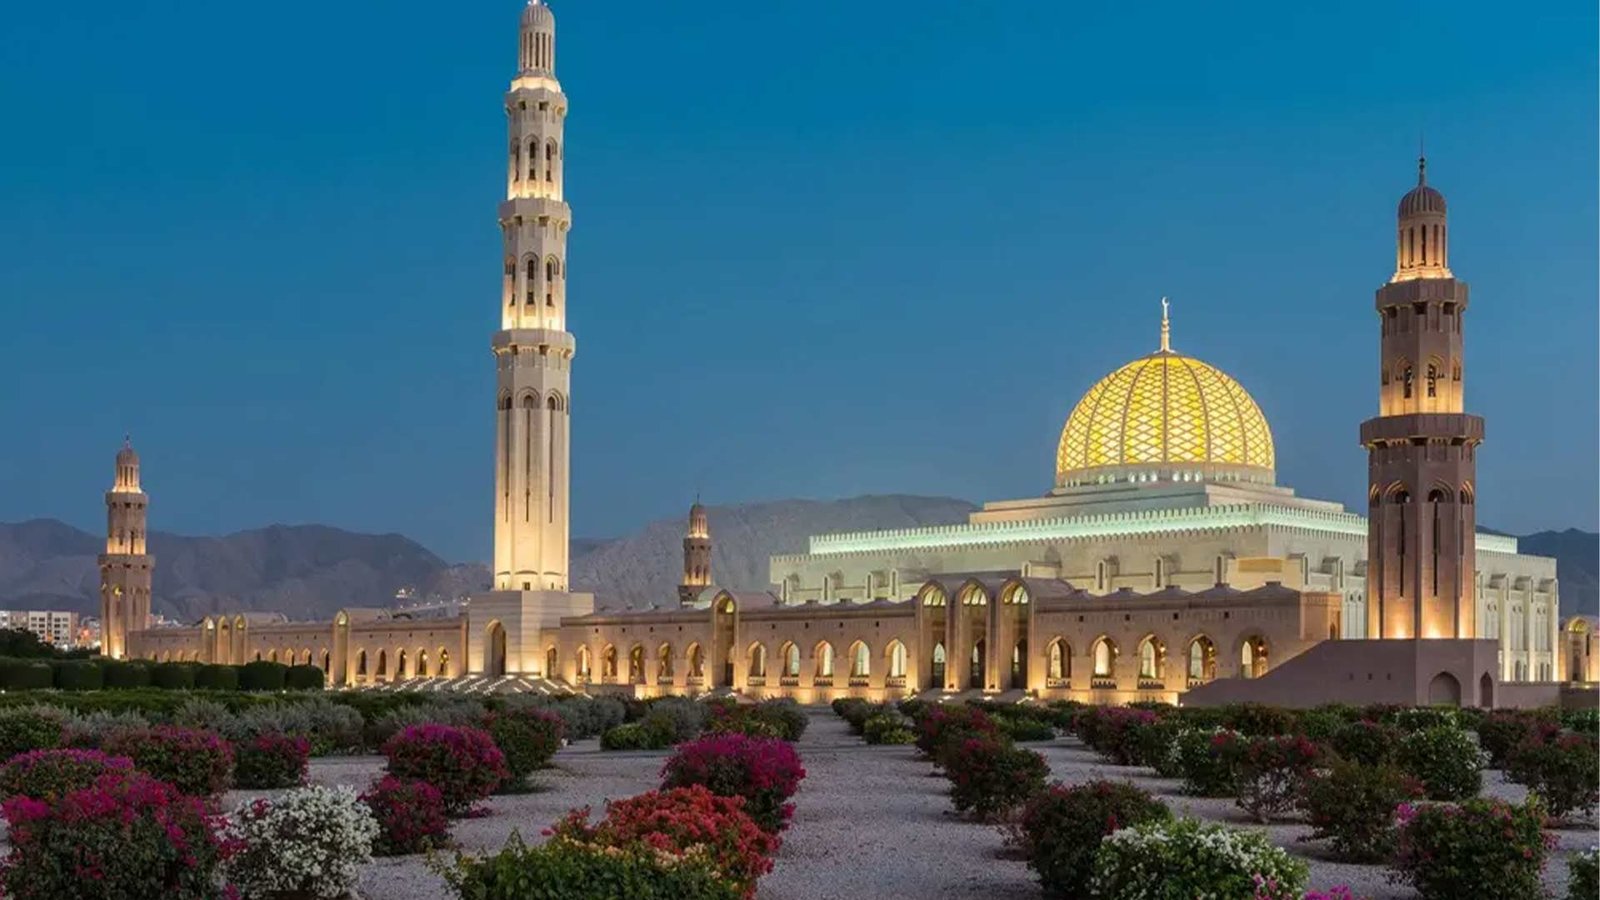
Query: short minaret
(533, 350)
(696, 556)
(125, 568)
(1422, 447)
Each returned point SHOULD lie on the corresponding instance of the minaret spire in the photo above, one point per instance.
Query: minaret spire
(126, 567)
(1166, 328)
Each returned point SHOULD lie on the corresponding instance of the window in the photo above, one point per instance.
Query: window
(897, 660)
(791, 661)
(531, 286)
(550, 162)
(1057, 660)
(1150, 659)
(1433, 380)
(1105, 657)
(824, 660)
(1202, 659)
(860, 661)
(1405, 380)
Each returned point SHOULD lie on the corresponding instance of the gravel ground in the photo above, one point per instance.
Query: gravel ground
(870, 822)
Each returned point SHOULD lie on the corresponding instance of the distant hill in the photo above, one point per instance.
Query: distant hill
(310, 571)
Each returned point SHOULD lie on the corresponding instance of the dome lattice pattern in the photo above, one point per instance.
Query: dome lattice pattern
(1164, 409)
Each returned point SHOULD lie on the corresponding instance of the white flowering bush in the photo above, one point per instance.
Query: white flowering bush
(306, 844)
(1185, 858)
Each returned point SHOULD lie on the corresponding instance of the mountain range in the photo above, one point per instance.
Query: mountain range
(310, 571)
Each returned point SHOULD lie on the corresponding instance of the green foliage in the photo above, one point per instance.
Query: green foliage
(989, 777)
(1583, 874)
(20, 643)
(1352, 807)
(173, 676)
(124, 674)
(789, 719)
(567, 871)
(217, 677)
(1584, 721)
(1024, 730)
(25, 729)
(198, 763)
(1484, 849)
(1563, 770)
(1060, 829)
(683, 718)
(637, 736)
(25, 674)
(527, 737)
(1445, 759)
(1502, 730)
(1364, 742)
(1257, 720)
(1209, 761)
(888, 728)
(80, 675)
(303, 678)
(1185, 859)
(262, 675)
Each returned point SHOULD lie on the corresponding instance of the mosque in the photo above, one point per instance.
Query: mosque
(1165, 562)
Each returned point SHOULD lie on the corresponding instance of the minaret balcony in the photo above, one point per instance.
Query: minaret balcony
(1457, 427)
(1423, 290)
(533, 208)
(512, 339)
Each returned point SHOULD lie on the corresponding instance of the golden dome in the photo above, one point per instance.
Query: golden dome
(1165, 416)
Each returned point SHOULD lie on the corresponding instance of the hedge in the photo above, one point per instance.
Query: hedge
(26, 675)
(262, 675)
(303, 678)
(79, 675)
(212, 676)
(173, 676)
(126, 674)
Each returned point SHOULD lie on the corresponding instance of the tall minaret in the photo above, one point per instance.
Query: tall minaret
(1422, 447)
(125, 567)
(696, 556)
(533, 350)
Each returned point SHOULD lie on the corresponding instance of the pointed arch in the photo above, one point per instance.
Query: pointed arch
(789, 659)
(1058, 659)
(1104, 655)
(1253, 656)
(895, 659)
(860, 660)
(756, 657)
(664, 662)
(697, 660)
(823, 654)
(1201, 654)
(1152, 658)
(636, 664)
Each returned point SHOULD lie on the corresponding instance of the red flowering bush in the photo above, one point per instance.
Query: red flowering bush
(271, 760)
(1061, 829)
(410, 816)
(1271, 774)
(946, 724)
(1209, 761)
(1503, 730)
(1115, 734)
(679, 822)
(527, 737)
(127, 835)
(198, 763)
(764, 771)
(463, 763)
(989, 777)
(1352, 807)
(1562, 769)
(49, 775)
(1484, 849)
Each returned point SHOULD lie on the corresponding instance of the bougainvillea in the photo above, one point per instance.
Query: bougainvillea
(306, 845)
(764, 771)
(528, 737)
(49, 775)
(195, 762)
(1503, 730)
(1272, 772)
(680, 821)
(1484, 849)
(948, 723)
(1060, 829)
(271, 761)
(1352, 807)
(463, 763)
(1116, 734)
(1185, 858)
(1562, 769)
(410, 816)
(1368, 743)
(127, 835)
(1209, 761)
(989, 777)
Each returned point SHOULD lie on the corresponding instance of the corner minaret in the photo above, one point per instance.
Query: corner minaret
(533, 350)
(696, 556)
(1422, 447)
(125, 567)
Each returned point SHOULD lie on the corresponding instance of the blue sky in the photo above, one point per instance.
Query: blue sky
(820, 248)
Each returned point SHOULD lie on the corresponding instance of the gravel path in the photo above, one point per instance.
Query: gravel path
(870, 822)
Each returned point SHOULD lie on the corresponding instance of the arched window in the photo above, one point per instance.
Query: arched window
(361, 663)
(938, 663)
(552, 663)
(583, 663)
(824, 655)
(758, 661)
(791, 661)
(1433, 380)
(1105, 658)
(383, 664)
(552, 274)
(1253, 658)
(1152, 659)
(550, 162)
(444, 662)
(860, 660)
(696, 662)
(400, 665)
(897, 659)
(608, 663)
(1202, 659)
(530, 286)
(664, 661)
(1057, 660)
(533, 159)
(422, 663)
(1406, 380)
(636, 665)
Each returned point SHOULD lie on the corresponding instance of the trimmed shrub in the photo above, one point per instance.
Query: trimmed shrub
(49, 775)
(463, 763)
(213, 677)
(1271, 774)
(129, 835)
(1445, 759)
(1585, 721)
(1583, 874)
(1185, 858)
(1562, 770)
(1156, 745)
(1060, 829)
(1365, 742)
(764, 771)
(1209, 761)
(682, 719)
(681, 821)
(198, 763)
(637, 736)
(271, 761)
(527, 737)
(565, 869)
(29, 728)
(124, 674)
(1113, 733)
(309, 843)
(1503, 730)
(410, 816)
(989, 777)
(1257, 720)
(1482, 848)
(787, 715)
(173, 676)
(1352, 807)
(1320, 722)
(262, 675)
(79, 675)
(1419, 718)
(888, 728)
(303, 678)
(946, 724)
(25, 675)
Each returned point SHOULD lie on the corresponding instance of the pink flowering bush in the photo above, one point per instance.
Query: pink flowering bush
(1060, 829)
(1115, 734)
(1484, 849)
(1209, 761)
(1562, 769)
(766, 772)
(681, 821)
(49, 775)
(989, 777)
(271, 760)
(198, 763)
(410, 816)
(1503, 730)
(1271, 774)
(1352, 807)
(944, 724)
(527, 736)
(463, 763)
(128, 835)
